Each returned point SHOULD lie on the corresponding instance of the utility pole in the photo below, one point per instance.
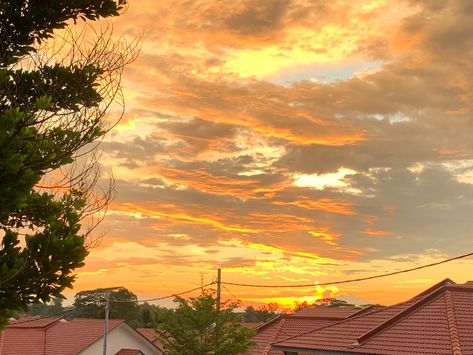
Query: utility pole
(219, 284)
(105, 331)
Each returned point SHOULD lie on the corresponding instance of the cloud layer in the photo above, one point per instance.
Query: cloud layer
(287, 142)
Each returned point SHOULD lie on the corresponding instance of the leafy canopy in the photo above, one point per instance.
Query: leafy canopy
(91, 304)
(196, 327)
(49, 110)
(262, 314)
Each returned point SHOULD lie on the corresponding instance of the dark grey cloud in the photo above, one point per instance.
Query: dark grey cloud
(135, 152)
(258, 18)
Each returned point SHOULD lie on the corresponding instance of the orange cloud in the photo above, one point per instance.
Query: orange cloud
(328, 237)
(343, 207)
(166, 211)
(378, 232)
(241, 186)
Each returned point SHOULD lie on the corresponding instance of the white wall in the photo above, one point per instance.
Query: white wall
(122, 337)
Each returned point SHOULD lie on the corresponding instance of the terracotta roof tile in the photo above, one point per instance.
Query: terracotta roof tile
(439, 321)
(52, 335)
(452, 324)
(327, 312)
(151, 335)
(72, 336)
(33, 322)
(266, 335)
(288, 325)
(129, 352)
(14, 342)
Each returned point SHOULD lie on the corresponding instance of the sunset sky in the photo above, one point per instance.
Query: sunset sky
(291, 142)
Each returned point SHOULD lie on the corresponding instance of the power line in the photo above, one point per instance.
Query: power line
(111, 301)
(231, 294)
(223, 283)
(164, 297)
(357, 279)
(242, 304)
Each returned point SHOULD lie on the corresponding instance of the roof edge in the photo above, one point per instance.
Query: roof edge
(279, 316)
(365, 310)
(452, 324)
(142, 335)
(311, 350)
(445, 287)
(359, 314)
(110, 329)
(51, 320)
(432, 288)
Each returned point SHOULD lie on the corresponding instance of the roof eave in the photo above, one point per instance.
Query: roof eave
(302, 349)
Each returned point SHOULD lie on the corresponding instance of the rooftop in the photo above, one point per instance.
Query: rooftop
(287, 325)
(437, 321)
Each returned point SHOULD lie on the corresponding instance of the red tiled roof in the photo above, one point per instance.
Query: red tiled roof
(74, 335)
(439, 321)
(288, 325)
(129, 352)
(13, 342)
(327, 312)
(151, 335)
(52, 335)
(33, 322)
(267, 335)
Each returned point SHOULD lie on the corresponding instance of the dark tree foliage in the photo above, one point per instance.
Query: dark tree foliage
(261, 314)
(46, 309)
(49, 110)
(91, 304)
(333, 302)
(26, 22)
(196, 327)
(323, 302)
(146, 316)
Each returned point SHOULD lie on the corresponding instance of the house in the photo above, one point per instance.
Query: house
(59, 336)
(152, 336)
(288, 325)
(436, 321)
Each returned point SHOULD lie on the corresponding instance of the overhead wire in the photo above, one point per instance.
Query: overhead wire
(164, 297)
(223, 283)
(33, 319)
(355, 279)
(231, 294)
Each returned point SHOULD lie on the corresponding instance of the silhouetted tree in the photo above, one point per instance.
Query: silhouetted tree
(46, 309)
(263, 313)
(332, 302)
(196, 327)
(146, 316)
(91, 304)
(53, 102)
(323, 302)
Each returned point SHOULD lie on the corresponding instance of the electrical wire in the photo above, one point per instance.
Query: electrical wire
(240, 302)
(231, 294)
(164, 297)
(223, 283)
(111, 301)
(357, 279)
